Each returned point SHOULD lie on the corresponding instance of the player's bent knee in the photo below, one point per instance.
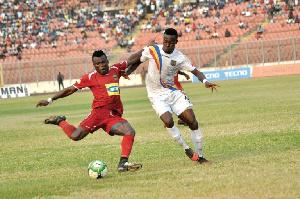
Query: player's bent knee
(132, 132)
(194, 125)
(169, 123)
(74, 137)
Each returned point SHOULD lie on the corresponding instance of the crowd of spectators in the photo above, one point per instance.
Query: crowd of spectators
(188, 14)
(36, 24)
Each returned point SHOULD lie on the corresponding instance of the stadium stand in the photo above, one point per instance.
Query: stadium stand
(38, 39)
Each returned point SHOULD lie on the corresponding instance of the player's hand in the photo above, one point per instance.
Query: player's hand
(151, 42)
(187, 76)
(212, 86)
(123, 74)
(42, 103)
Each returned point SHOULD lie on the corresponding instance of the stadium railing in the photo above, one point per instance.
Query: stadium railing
(215, 57)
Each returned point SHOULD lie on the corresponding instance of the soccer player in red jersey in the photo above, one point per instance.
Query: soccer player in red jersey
(107, 106)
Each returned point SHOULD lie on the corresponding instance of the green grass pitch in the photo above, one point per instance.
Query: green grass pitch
(251, 131)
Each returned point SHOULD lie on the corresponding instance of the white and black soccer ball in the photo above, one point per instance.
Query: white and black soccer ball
(97, 169)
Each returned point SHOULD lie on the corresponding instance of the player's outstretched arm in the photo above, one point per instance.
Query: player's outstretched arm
(134, 60)
(202, 78)
(63, 93)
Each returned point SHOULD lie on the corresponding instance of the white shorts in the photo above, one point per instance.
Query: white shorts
(174, 101)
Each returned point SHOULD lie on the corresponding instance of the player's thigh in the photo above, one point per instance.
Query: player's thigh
(124, 128)
(160, 105)
(189, 117)
(181, 104)
(94, 120)
(167, 119)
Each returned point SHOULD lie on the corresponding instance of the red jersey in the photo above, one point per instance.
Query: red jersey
(105, 88)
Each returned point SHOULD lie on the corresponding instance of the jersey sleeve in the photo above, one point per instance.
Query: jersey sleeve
(122, 66)
(119, 67)
(83, 82)
(145, 55)
(186, 64)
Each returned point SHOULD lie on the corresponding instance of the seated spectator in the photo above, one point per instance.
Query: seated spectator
(2, 56)
(24, 45)
(246, 26)
(107, 39)
(264, 11)
(250, 5)
(289, 21)
(84, 35)
(187, 21)
(53, 44)
(198, 36)
(254, 12)
(83, 41)
(215, 35)
(227, 33)
(235, 13)
(149, 26)
(260, 30)
(10, 52)
(194, 27)
(131, 41)
(19, 49)
(76, 41)
(241, 25)
(202, 26)
(143, 26)
(158, 28)
(243, 12)
(226, 19)
(207, 29)
(188, 29)
(15, 51)
(248, 13)
(66, 42)
(175, 21)
(33, 45)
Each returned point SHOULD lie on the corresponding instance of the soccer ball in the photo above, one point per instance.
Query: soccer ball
(97, 169)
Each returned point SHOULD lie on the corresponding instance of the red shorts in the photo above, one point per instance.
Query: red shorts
(101, 118)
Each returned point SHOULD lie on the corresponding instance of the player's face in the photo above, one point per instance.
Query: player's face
(169, 43)
(101, 64)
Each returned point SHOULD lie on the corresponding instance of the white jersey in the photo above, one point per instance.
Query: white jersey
(162, 69)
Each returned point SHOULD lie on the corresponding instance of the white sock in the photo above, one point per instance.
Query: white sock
(175, 133)
(198, 141)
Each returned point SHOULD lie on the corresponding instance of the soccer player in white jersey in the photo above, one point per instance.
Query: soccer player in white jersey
(164, 63)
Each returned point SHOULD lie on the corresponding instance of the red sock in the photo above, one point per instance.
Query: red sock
(126, 144)
(67, 128)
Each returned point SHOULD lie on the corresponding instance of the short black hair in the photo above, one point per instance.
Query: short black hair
(98, 53)
(171, 31)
